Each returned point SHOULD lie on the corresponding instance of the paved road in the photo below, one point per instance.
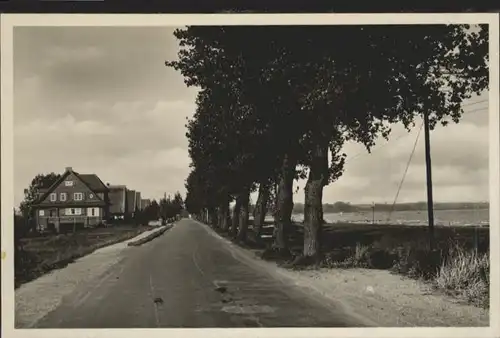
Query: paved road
(189, 278)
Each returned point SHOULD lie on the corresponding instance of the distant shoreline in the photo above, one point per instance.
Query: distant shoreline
(384, 210)
(343, 207)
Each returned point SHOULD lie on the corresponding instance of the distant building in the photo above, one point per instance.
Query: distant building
(138, 205)
(131, 197)
(73, 201)
(118, 201)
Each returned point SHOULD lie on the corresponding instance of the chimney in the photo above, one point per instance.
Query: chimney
(69, 169)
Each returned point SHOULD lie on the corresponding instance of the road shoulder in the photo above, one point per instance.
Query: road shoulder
(377, 296)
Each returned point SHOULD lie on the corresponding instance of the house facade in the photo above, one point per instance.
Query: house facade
(73, 201)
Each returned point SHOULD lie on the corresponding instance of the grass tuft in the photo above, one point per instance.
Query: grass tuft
(465, 273)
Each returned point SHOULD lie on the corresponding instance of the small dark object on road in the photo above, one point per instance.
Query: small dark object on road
(221, 289)
(158, 300)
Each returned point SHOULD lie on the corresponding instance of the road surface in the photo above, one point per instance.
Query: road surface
(189, 278)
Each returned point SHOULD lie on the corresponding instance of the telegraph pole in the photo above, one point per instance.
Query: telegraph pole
(428, 169)
(373, 213)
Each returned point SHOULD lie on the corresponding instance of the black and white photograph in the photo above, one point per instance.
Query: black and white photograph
(330, 175)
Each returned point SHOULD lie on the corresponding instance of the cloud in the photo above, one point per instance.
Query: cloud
(57, 55)
(40, 128)
(176, 158)
(102, 101)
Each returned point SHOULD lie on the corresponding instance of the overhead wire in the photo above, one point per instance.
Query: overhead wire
(360, 154)
(405, 172)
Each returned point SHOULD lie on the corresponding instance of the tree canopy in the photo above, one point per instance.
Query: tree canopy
(170, 207)
(273, 109)
(31, 194)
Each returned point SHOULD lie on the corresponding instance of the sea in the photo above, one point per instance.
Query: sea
(477, 217)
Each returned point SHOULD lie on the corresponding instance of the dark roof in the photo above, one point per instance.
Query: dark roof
(93, 181)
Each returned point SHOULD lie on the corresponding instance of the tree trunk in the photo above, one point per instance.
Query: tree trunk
(259, 215)
(236, 216)
(205, 216)
(284, 204)
(223, 216)
(219, 219)
(213, 217)
(313, 204)
(243, 215)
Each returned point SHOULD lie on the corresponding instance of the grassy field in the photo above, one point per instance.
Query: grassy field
(39, 255)
(459, 265)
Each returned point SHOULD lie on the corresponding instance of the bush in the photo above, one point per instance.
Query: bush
(356, 258)
(418, 262)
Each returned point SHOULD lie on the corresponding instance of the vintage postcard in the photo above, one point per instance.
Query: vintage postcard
(250, 175)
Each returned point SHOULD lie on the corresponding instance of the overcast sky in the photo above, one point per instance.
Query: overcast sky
(102, 101)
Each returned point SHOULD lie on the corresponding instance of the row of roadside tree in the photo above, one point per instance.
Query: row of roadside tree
(278, 103)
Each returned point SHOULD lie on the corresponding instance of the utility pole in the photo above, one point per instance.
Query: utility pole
(373, 213)
(428, 169)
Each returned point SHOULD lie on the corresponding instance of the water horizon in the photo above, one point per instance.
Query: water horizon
(478, 217)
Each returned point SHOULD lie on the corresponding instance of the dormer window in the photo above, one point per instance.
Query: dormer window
(78, 196)
(53, 197)
(63, 196)
(68, 183)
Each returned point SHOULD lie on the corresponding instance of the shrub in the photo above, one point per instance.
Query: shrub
(356, 258)
(418, 262)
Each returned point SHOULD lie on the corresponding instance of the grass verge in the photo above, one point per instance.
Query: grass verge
(458, 266)
(40, 255)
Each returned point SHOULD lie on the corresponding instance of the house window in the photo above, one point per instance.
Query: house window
(93, 212)
(41, 212)
(78, 196)
(68, 183)
(53, 197)
(63, 196)
(73, 211)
